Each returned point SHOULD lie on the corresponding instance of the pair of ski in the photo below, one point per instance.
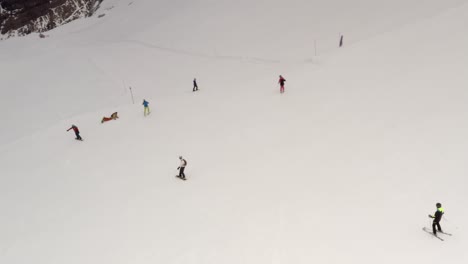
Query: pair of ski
(427, 230)
(177, 176)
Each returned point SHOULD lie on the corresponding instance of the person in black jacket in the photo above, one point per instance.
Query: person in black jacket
(437, 217)
(195, 85)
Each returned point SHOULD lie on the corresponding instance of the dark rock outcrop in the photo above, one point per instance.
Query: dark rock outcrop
(22, 17)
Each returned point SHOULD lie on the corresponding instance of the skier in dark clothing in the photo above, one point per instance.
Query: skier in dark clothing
(181, 168)
(437, 217)
(77, 132)
(281, 82)
(195, 86)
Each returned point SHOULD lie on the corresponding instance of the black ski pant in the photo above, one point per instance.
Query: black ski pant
(181, 172)
(195, 88)
(434, 224)
(77, 134)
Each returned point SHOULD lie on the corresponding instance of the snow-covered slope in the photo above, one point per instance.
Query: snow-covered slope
(136, 43)
(342, 168)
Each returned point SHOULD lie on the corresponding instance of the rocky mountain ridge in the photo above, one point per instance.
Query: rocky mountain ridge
(22, 17)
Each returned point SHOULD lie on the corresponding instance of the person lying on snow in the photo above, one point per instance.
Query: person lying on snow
(112, 117)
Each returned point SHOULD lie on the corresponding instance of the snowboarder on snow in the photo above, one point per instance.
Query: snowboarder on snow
(281, 82)
(114, 116)
(195, 86)
(147, 110)
(437, 217)
(77, 132)
(181, 168)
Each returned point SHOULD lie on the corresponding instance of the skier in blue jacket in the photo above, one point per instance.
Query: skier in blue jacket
(147, 110)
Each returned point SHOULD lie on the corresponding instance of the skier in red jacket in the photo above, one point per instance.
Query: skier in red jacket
(281, 82)
(77, 132)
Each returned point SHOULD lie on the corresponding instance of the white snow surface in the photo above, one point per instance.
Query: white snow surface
(344, 167)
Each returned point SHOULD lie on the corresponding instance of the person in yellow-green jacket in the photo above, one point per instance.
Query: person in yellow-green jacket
(437, 217)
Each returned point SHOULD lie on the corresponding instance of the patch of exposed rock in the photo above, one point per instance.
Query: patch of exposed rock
(22, 17)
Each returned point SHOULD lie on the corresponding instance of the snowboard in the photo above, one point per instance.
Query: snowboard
(177, 176)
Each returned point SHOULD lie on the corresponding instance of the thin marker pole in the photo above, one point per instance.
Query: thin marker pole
(131, 92)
